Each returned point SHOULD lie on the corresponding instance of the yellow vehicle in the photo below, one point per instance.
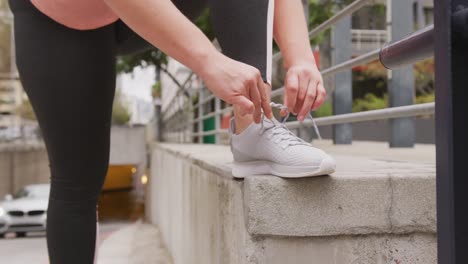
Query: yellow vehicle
(119, 177)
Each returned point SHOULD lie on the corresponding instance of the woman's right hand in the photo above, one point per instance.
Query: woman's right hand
(237, 83)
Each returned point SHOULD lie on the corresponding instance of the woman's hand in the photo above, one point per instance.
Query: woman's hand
(237, 83)
(304, 84)
(304, 89)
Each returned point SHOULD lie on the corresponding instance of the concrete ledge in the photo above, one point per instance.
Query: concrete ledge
(364, 196)
(395, 198)
(375, 209)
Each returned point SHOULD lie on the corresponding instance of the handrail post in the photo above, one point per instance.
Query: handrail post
(342, 96)
(200, 114)
(401, 83)
(189, 126)
(158, 129)
(218, 117)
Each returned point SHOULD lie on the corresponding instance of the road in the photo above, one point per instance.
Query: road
(33, 248)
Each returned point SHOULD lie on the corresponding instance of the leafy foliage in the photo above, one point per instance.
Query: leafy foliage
(325, 110)
(370, 102)
(425, 98)
(120, 113)
(156, 90)
(424, 77)
(150, 57)
(372, 78)
(318, 13)
(204, 24)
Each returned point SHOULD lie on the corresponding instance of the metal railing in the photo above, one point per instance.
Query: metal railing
(204, 109)
(368, 39)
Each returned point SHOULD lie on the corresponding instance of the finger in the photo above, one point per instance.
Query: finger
(301, 94)
(257, 101)
(283, 112)
(246, 106)
(291, 89)
(309, 100)
(303, 85)
(321, 95)
(265, 97)
(285, 100)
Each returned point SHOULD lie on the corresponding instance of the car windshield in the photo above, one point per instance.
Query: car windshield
(33, 192)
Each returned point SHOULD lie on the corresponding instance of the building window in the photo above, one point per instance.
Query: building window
(429, 15)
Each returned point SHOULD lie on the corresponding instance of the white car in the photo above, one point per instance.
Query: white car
(26, 211)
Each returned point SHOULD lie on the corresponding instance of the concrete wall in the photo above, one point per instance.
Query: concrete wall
(373, 210)
(128, 146)
(205, 209)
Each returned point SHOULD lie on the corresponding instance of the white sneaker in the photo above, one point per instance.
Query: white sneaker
(270, 148)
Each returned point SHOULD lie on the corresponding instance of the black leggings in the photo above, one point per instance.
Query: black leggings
(69, 76)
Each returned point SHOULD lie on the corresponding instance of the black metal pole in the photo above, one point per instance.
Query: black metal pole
(451, 73)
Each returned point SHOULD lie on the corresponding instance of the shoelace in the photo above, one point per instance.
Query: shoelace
(282, 133)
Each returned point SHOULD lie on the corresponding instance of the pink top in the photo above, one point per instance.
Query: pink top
(77, 14)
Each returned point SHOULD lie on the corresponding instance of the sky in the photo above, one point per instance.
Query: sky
(138, 84)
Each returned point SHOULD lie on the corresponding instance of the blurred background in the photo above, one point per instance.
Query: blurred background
(148, 81)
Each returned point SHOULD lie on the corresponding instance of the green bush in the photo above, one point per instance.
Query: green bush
(425, 98)
(373, 102)
(120, 113)
(325, 110)
(370, 102)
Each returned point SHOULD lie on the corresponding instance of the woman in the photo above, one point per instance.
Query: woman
(66, 53)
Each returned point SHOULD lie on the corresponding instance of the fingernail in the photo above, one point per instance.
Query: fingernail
(301, 118)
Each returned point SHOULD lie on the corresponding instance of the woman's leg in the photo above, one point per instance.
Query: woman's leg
(69, 76)
(129, 42)
(244, 29)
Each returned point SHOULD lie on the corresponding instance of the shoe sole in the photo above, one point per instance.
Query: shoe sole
(243, 169)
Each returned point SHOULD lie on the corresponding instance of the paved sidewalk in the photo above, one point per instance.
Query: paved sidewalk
(138, 243)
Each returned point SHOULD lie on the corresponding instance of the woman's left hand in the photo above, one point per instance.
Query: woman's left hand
(304, 89)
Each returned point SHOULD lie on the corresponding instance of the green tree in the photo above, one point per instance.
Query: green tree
(120, 113)
(318, 13)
